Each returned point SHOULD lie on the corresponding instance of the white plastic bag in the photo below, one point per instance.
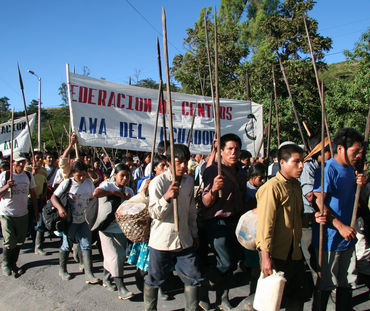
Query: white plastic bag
(246, 230)
(269, 292)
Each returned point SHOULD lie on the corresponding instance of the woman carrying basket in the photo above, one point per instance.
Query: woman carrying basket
(113, 241)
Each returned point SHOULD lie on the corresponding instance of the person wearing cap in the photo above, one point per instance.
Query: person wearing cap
(311, 163)
(14, 211)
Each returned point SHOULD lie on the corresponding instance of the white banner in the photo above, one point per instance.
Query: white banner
(107, 114)
(21, 142)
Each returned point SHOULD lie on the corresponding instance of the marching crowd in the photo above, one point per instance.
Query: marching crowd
(284, 197)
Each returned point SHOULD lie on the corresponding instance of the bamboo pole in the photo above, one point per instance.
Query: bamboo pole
(248, 86)
(321, 90)
(26, 115)
(217, 113)
(358, 188)
(70, 106)
(161, 99)
(269, 130)
(210, 70)
(11, 151)
(293, 105)
(169, 105)
(276, 106)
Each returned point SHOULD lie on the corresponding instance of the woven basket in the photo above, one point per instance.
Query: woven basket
(135, 227)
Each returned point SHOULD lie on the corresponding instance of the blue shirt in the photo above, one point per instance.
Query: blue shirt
(340, 189)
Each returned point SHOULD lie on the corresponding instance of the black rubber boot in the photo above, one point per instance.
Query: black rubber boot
(320, 300)
(6, 262)
(14, 258)
(107, 281)
(222, 292)
(343, 299)
(38, 244)
(204, 303)
(87, 261)
(150, 298)
(123, 292)
(191, 298)
(139, 279)
(63, 258)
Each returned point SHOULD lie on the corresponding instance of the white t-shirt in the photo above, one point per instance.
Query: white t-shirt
(111, 186)
(57, 178)
(17, 205)
(80, 196)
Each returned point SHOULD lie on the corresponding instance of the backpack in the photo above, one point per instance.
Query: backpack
(50, 214)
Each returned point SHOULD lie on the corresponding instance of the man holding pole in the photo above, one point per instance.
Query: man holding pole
(165, 244)
(14, 212)
(339, 238)
(221, 215)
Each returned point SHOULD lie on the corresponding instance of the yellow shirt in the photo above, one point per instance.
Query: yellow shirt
(280, 211)
(40, 181)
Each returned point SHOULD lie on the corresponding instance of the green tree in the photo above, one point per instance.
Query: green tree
(4, 108)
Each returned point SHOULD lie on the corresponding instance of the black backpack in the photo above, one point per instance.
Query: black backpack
(50, 214)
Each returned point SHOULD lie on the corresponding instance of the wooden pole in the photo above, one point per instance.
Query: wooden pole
(248, 86)
(191, 129)
(161, 99)
(358, 188)
(109, 158)
(261, 142)
(321, 90)
(101, 161)
(11, 151)
(210, 70)
(70, 106)
(218, 130)
(53, 136)
(26, 115)
(157, 115)
(169, 105)
(321, 234)
(293, 105)
(269, 130)
(306, 128)
(276, 106)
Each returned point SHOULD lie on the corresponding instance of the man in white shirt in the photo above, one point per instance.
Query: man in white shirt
(14, 212)
(165, 244)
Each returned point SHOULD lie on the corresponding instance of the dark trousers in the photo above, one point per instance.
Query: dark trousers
(221, 236)
(161, 263)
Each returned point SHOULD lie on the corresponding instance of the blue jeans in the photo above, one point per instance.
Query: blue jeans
(77, 233)
(186, 265)
(221, 236)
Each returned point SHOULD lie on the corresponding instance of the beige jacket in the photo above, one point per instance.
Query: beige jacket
(162, 233)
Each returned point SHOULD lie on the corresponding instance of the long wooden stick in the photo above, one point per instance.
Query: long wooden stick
(293, 105)
(11, 151)
(269, 130)
(321, 90)
(210, 70)
(261, 142)
(157, 114)
(306, 128)
(109, 158)
(161, 98)
(53, 136)
(358, 188)
(169, 105)
(191, 129)
(101, 161)
(26, 115)
(218, 129)
(276, 106)
(70, 105)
